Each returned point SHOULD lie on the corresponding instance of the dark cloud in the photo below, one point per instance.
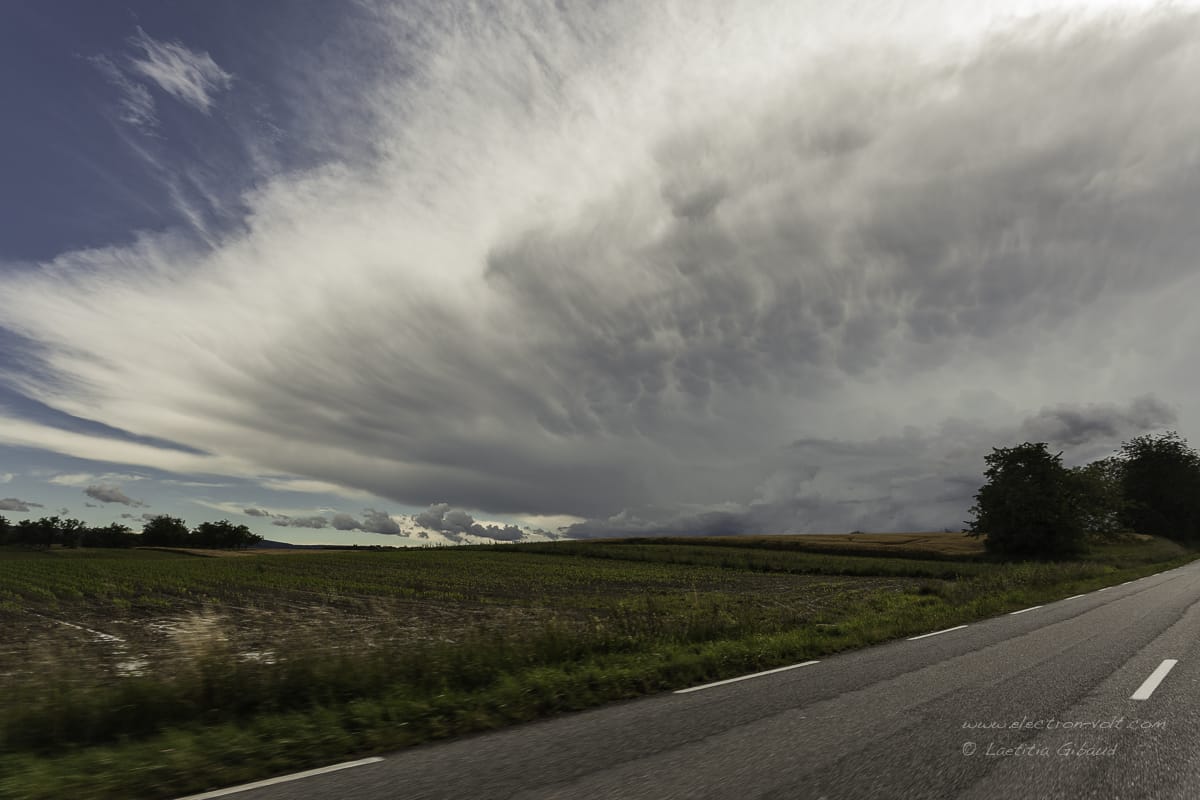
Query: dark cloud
(455, 523)
(372, 522)
(285, 521)
(1106, 422)
(378, 522)
(13, 504)
(919, 480)
(256, 512)
(107, 493)
(345, 522)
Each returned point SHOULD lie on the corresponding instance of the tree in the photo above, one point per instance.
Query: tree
(43, 532)
(224, 534)
(6, 531)
(1161, 483)
(1101, 496)
(165, 531)
(114, 535)
(1029, 505)
(71, 532)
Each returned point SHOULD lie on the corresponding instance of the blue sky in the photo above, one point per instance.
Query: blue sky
(435, 272)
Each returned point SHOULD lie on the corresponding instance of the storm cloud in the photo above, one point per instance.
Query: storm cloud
(107, 493)
(316, 521)
(757, 269)
(372, 521)
(454, 523)
(14, 504)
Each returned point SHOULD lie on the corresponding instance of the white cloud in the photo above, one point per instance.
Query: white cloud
(618, 259)
(86, 478)
(6, 477)
(135, 105)
(190, 76)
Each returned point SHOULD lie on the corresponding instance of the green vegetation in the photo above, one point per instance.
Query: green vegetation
(1032, 506)
(160, 531)
(153, 674)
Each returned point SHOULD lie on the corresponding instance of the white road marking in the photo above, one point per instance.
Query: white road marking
(1073, 597)
(935, 633)
(283, 779)
(743, 678)
(1146, 689)
(1023, 610)
(1105, 589)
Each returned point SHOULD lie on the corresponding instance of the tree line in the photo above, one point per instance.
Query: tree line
(1032, 505)
(159, 531)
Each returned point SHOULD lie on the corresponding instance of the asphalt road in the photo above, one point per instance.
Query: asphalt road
(885, 722)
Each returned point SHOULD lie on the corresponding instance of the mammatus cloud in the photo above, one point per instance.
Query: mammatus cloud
(106, 493)
(667, 272)
(13, 504)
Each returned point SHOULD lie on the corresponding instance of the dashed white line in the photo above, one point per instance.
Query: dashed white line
(1073, 597)
(1023, 610)
(744, 677)
(1104, 589)
(1146, 689)
(935, 633)
(283, 779)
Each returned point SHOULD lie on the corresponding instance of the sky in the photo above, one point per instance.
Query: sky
(442, 272)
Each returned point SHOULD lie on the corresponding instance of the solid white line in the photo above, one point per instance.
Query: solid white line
(1072, 597)
(935, 633)
(283, 779)
(1156, 677)
(1105, 589)
(1023, 610)
(744, 677)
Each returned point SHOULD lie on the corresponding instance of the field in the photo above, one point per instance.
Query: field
(153, 674)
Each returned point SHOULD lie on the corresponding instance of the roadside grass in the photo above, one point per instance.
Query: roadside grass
(628, 619)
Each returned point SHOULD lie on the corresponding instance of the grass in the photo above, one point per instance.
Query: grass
(374, 651)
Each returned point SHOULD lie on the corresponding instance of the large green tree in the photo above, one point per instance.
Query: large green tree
(1160, 480)
(1030, 505)
(165, 531)
(1102, 498)
(224, 535)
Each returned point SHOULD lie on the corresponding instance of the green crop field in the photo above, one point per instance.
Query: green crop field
(152, 674)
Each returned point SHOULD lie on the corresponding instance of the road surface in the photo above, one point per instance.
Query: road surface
(1094, 696)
